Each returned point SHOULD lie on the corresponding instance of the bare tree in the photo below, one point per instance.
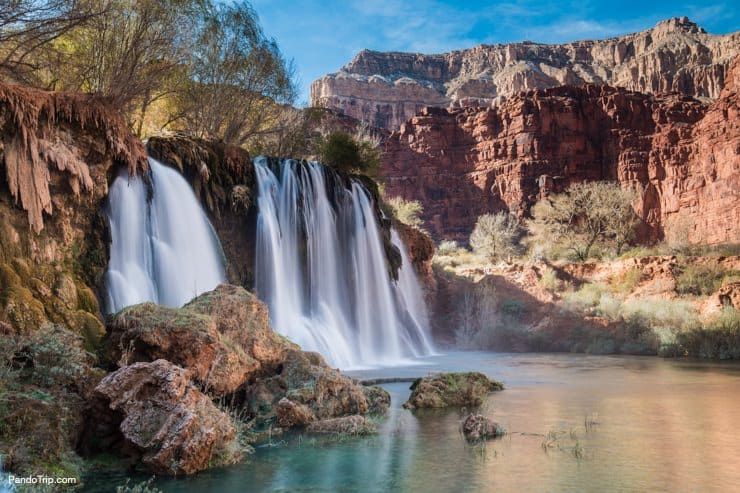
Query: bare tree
(28, 25)
(496, 236)
(237, 75)
(134, 54)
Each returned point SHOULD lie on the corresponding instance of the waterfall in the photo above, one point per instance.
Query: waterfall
(321, 268)
(164, 249)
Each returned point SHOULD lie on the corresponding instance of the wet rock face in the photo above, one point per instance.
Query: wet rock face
(386, 89)
(174, 427)
(451, 390)
(681, 154)
(477, 427)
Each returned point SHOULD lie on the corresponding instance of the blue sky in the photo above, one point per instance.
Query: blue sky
(322, 35)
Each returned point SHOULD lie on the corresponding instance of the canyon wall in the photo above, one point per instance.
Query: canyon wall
(682, 153)
(386, 89)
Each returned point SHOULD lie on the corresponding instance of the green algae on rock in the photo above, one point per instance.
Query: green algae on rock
(451, 389)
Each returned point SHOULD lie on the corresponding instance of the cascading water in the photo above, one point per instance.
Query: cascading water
(164, 249)
(321, 268)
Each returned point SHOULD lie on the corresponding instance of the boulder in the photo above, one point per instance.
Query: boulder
(148, 332)
(289, 414)
(477, 427)
(223, 337)
(162, 416)
(451, 389)
(307, 387)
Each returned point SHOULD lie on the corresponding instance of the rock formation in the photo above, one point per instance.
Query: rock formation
(165, 418)
(386, 89)
(451, 389)
(57, 152)
(683, 155)
(477, 427)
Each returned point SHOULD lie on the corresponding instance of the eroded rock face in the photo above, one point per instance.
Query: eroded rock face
(57, 151)
(682, 154)
(173, 426)
(451, 389)
(386, 89)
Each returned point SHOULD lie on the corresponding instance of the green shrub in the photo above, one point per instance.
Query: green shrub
(701, 280)
(342, 151)
(718, 339)
(549, 280)
(626, 281)
(586, 297)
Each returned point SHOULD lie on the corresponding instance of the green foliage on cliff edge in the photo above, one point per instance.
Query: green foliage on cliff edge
(349, 154)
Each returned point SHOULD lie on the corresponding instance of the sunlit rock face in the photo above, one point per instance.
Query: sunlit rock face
(681, 154)
(386, 89)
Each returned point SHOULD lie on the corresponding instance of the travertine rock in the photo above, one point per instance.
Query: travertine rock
(386, 89)
(175, 427)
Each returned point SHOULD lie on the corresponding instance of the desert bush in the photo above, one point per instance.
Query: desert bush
(549, 279)
(587, 216)
(626, 281)
(404, 211)
(586, 297)
(701, 280)
(717, 339)
(496, 236)
(448, 247)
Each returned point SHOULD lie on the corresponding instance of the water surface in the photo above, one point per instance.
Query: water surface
(618, 424)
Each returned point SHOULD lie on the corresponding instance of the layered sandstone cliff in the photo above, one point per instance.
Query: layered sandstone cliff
(386, 89)
(683, 155)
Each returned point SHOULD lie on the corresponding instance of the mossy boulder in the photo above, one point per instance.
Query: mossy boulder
(451, 390)
(355, 425)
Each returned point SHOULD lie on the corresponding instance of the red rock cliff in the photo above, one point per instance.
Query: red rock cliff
(684, 154)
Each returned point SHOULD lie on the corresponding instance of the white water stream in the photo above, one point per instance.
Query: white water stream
(322, 270)
(164, 249)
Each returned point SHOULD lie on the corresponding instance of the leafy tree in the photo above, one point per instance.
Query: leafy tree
(496, 236)
(585, 215)
(343, 151)
(235, 76)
